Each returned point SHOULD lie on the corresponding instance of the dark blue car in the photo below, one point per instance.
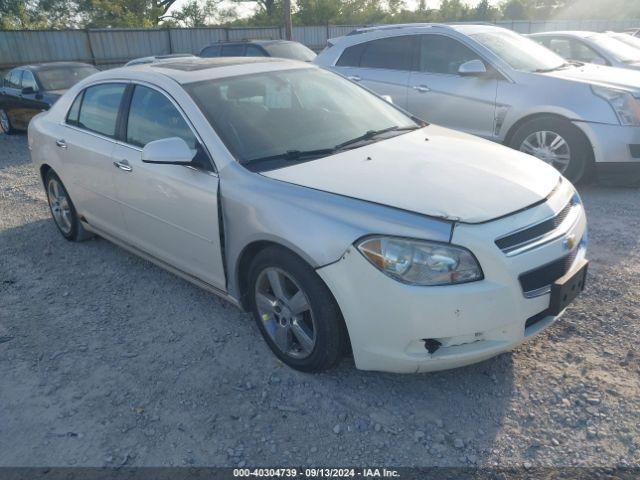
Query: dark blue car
(28, 90)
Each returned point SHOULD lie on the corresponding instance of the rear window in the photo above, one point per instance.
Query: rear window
(99, 108)
(233, 50)
(292, 50)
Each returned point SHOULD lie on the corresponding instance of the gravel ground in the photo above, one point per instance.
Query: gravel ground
(107, 360)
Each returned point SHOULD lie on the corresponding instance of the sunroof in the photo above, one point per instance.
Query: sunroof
(193, 64)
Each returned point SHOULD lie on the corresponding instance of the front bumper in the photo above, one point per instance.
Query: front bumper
(616, 149)
(388, 321)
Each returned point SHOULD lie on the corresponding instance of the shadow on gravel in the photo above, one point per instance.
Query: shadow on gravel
(148, 369)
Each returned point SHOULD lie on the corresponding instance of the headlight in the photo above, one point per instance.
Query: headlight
(626, 106)
(420, 262)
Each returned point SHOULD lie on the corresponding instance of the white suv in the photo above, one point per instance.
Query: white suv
(499, 85)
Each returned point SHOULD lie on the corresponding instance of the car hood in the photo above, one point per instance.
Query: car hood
(620, 78)
(433, 171)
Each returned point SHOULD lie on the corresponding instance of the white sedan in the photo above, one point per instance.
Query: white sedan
(341, 222)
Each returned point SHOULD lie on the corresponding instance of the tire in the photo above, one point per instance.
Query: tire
(5, 123)
(62, 209)
(578, 150)
(271, 310)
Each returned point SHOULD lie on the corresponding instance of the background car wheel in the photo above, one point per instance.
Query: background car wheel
(5, 123)
(295, 311)
(62, 209)
(556, 142)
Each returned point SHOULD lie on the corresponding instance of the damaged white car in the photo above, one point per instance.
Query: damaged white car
(341, 222)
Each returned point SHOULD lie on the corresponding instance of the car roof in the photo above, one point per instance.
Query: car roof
(50, 65)
(188, 70)
(571, 33)
(254, 41)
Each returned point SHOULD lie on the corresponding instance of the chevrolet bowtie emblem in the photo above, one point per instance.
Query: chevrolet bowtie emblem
(569, 242)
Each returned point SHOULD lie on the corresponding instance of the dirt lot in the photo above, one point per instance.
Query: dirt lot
(106, 359)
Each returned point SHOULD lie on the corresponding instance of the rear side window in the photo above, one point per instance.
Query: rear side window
(394, 53)
(15, 79)
(212, 51)
(351, 56)
(440, 54)
(99, 108)
(74, 111)
(153, 117)
(233, 50)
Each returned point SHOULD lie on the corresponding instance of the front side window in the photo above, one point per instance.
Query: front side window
(561, 46)
(253, 51)
(393, 53)
(584, 53)
(518, 52)
(28, 81)
(233, 50)
(153, 117)
(212, 51)
(440, 54)
(99, 108)
(285, 113)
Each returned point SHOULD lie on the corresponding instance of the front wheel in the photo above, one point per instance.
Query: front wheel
(5, 123)
(556, 142)
(295, 311)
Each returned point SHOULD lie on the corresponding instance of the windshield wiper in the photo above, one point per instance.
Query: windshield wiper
(559, 67)
(293, 155)
(371, 134)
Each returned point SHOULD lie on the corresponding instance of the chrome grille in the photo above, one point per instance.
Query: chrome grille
(537, 234)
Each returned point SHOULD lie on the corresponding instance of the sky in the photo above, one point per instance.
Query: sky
(246, 10)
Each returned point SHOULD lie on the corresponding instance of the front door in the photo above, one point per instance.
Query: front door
(438, 94)
(171, 211)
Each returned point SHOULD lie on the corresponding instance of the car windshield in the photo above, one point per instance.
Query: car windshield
(271, 118)
(519, 52)
(626, 38)
(63, 78)
(619, 50)
(292, 50)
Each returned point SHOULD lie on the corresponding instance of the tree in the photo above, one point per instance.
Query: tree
(514, 10)
(123, 13)
(196, 14)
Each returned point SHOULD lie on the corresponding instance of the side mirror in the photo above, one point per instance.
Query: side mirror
(472, 68)
(170, 151)
(387, 98)
(28, 91)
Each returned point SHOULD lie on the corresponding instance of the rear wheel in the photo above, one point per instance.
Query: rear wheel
(5, 123)
(556, 142)
(295, 311)
(62, 209)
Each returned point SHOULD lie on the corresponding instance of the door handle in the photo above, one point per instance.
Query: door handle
(421, 88)
(123, 165)
(61, 143)
(354, 78)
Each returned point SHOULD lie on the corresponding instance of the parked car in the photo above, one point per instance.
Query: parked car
(625, 38)
(28, 90)
(499, 85)
(158, 58)
(260, 48)
(634, 32)
(334, 217)
(591, 47)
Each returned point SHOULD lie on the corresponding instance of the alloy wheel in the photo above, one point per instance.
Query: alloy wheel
(285, 312)
(60, 205)
(4, 121)
(548, 147)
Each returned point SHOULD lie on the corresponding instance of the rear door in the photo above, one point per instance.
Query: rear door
(171, 211)
(438, 94)
(382, 65)
(88, 142)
